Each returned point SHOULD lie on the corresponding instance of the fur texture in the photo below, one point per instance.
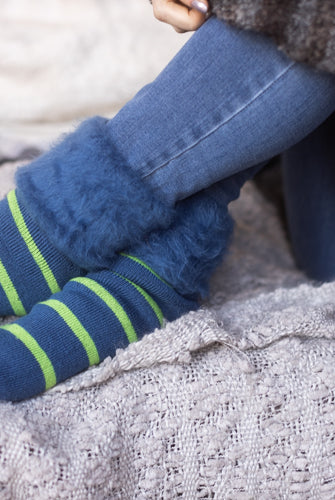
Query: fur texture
(303, 29)
(187, 253)
(87, 200)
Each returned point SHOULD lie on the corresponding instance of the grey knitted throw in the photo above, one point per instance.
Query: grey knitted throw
(235, 401)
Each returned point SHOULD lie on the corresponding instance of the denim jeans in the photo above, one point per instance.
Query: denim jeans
(228, 101)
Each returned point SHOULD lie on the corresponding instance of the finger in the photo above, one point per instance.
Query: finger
(178, 15)
(199, 5)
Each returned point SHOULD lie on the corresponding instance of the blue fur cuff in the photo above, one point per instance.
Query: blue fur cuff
(87, 201)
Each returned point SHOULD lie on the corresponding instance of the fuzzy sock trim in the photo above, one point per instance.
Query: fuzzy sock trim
(87, 200)
(186, 254)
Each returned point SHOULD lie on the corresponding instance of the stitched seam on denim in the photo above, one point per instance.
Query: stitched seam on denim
(264, 90)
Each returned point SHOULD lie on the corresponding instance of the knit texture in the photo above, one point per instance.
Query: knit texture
(31, 269)
(304, 29)
(235, 401)
(82, 325)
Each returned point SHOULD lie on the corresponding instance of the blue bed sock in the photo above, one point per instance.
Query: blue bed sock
(82, 325)
(31, 269)
(92, 316)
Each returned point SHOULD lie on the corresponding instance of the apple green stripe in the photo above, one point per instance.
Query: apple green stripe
(113, 304)
(139, 261)
(31, 245)
(11, 292)
(153, 304)
(78, 329)
(38, 353)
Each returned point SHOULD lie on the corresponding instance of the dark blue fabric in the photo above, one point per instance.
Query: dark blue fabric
(309, 187)
(18, 367)
(20, 265)
(21, 376)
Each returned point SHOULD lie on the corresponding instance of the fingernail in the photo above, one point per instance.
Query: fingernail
(200, 6)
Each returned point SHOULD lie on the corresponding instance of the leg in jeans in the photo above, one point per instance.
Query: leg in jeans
(229, 100)
(309, 188)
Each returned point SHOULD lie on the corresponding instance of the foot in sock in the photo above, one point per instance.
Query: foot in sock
(94, 315)
(31, 269)
(82, 325)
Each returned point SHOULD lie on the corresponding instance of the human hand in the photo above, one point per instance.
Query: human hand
(183, 15)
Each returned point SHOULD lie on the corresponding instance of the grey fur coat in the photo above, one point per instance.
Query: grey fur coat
(304, 29)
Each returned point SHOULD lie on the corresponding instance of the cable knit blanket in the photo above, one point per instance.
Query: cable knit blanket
(235, 401)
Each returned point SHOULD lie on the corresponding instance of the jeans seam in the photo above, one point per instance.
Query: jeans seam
(217, 127)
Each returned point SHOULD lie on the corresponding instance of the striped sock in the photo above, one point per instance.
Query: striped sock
(31, 269)
(82, 325)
